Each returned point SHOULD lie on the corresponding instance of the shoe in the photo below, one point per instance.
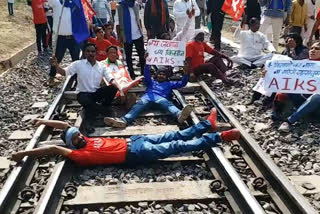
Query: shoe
(230, 135)
(51, 82)
(185, 113)
(115, 122)
(284, 127)
(213, 119)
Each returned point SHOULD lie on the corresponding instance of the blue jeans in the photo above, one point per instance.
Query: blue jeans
(142, 105)
(64, 43)
(154, 147)
(309, 106)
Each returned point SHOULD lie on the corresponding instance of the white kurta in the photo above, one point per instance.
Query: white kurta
(180, 8)
(251, 46)
(310, 22)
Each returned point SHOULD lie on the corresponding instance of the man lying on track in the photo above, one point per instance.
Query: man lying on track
(137, 149)
(157, 95)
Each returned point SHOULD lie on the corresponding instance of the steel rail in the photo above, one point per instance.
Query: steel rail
(289, 195)
(242, 195)
(19, 174)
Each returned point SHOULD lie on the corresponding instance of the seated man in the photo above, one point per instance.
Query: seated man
(157, 94)
(89, 76)
(252, 43)
(295, 48)
(195, 57)
(306, 104)
(86, 151)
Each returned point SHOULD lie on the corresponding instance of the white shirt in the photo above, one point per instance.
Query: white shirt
(89, 77)
(135, 31)
(181, 36)
(11, 1)
(49, 11)
(180, 8)
(252, 44)
(66, 23)
(311, 8)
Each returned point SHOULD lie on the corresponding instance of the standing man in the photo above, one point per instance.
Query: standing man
(102, 9)
(182, 9)
(202, 7)
(49, 14)
(40, 22)
(217, 17)
(113, 5)
(66, 39)
(156, 18)
(275, 13)
(10, 7)
(310, 21)
(299, 16)
(129, 31)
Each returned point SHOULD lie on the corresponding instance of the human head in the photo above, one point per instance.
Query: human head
(108, 28)
(162, 74)
(90, 52)
(293, 38)
(74, 139)
(112, 52)
(199, 35)
(99, 32)
(314, 52)
(254, 24)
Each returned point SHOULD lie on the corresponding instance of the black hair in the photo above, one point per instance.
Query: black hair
(89, 44)
(112, 47)
(97, 29)
(253, 21)
(297, 38)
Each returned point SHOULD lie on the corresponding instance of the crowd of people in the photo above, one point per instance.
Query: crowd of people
(107, 56)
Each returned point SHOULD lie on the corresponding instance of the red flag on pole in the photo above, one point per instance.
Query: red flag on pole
(88, 10)
(234, 8)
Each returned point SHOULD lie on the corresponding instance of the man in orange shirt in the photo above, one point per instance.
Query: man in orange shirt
(195, 57)
(101, 44)
(137, 149)
(40, 22)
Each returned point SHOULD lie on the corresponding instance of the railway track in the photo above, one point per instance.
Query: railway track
(234, 178)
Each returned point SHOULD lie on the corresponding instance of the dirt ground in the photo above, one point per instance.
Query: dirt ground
(16, 32)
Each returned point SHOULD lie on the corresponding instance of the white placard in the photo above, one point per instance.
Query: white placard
(166, 52)
(259, 87)
(292, 76)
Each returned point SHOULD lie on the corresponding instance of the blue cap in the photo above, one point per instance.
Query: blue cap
(69, 134)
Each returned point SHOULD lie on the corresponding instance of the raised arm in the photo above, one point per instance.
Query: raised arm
(147, 75)
(57, 124)
(196, 8)
(48, 150)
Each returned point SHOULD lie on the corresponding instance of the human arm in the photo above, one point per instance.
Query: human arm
(314, 29)
(196, 8)
(57, 124)
(54, 63)
(48, 150)
(183, 82)
(237, 33)
(214, 52)
(182, 34)
(267, 44)
(147, 76)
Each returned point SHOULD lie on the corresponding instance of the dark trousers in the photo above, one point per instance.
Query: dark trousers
(217, 19)
(64, 43)
(140, 49)
(104, 95)
(50, 22)
(214, 66)
(10, 8)
(157, 31)
(41, 36)
(198, 19)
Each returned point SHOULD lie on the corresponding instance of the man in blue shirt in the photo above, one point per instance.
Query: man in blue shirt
(275, 12)
(157, 95)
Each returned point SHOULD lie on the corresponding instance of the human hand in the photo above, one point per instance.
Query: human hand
(291, 43)
(187, 68)
(37, 122)
(17, 156)
(122, 97)
(188, 12)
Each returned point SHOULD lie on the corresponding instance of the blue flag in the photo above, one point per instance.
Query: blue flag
(79, 25)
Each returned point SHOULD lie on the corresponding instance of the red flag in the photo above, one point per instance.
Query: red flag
(88, 10)
(234, 8)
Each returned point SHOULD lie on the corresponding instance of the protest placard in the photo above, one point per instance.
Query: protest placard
(166, 52)
(259, 87)
(292, 76)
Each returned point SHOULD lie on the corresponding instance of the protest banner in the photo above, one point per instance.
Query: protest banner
(292, 76)
(233, 8)
(166, 52)
(259, 87)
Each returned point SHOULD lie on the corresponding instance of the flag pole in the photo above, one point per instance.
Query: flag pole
(58, 28)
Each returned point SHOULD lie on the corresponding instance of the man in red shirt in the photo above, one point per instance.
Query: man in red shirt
(138, 149)
(101, 44)
(40, 22)
(195, 57)
(108, 34)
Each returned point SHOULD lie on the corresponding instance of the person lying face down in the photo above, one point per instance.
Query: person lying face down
(195, 57)
(138, 149)
(157, 95)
